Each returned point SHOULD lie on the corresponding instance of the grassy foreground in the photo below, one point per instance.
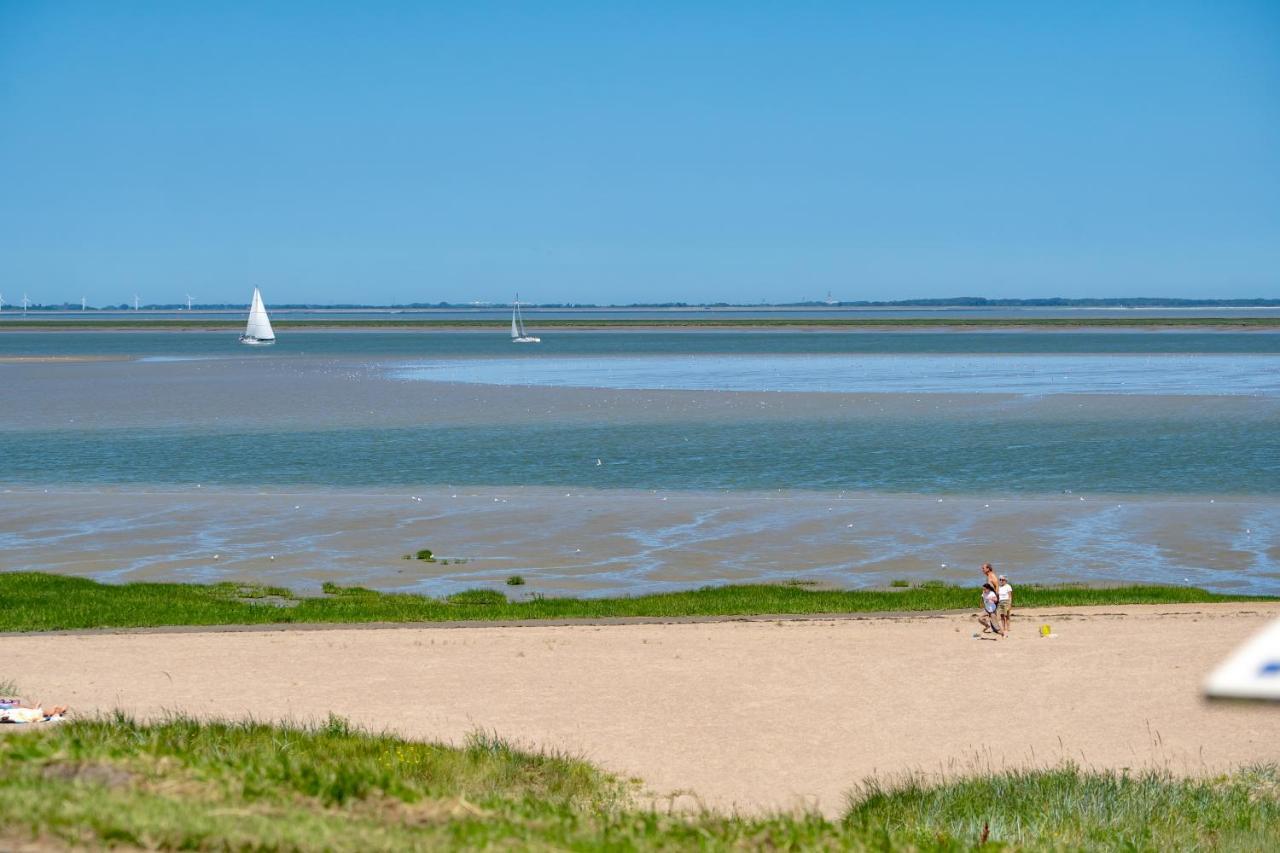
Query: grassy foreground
(189, 785)
(32, 601)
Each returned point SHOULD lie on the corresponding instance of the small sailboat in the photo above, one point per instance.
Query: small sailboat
(518, 333)
(258, 331)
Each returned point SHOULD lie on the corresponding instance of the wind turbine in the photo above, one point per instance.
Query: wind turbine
(135, 302)
(188, 301)
(81, 303)
(26, 301)
(1, 301)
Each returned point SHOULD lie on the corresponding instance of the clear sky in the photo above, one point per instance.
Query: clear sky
(617, 152)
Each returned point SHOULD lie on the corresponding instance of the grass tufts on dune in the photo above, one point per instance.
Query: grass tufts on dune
(182, 784)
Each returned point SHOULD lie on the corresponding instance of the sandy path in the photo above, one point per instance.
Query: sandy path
(747, 714)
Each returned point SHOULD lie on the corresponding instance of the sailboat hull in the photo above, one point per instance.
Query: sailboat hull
(526, 339)
(256, 342)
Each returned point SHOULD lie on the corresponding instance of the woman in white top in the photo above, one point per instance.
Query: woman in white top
(989, 599)
(1004, 603)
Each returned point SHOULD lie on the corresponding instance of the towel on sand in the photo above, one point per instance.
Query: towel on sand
(27, 715)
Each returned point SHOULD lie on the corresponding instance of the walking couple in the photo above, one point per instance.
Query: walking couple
(997, 602)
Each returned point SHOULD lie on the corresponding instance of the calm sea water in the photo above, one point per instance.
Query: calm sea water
(1195, 447)
(927, 455)
(365, 344)
(1165, 417)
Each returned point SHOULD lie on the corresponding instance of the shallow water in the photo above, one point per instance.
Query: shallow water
(941, 455)
(475, 344)
(1172, 439)
(967, 373)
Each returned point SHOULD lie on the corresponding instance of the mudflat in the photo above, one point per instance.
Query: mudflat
(737, 715)
(575, 541)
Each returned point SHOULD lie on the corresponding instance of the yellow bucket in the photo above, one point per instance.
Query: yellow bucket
(1044, 630)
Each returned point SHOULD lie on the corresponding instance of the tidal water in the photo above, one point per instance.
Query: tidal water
(1158, 423)
(183, 428)
(927, 455)
(915, 373)
(484, 344)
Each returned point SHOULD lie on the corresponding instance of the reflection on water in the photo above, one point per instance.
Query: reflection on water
(921, 374)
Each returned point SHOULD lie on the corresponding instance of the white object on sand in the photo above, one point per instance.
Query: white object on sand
(27, 715)
(1252, 671)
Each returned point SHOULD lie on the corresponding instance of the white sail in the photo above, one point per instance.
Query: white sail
(518, 333)
(259, 326)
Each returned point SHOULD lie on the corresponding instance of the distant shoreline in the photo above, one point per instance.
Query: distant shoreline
(716, 323)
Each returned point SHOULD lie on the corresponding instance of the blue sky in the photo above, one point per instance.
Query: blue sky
(619, 152)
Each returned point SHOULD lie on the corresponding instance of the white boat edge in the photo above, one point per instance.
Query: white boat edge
(1252, 672)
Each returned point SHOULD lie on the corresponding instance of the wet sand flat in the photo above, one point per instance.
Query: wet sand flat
(747, 715)
(326, 393)
(584, 541)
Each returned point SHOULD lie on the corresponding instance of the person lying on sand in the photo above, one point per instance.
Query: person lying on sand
(13, 711)
(988, 618)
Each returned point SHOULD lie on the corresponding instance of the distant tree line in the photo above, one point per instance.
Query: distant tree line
(950, 302)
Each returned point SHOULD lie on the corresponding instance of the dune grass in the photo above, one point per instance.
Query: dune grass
(179, 783)
(32, 601)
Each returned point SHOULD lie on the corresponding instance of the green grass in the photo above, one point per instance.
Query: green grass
(711, 322)
(31, 601)
(1067, 808)
(183, 784)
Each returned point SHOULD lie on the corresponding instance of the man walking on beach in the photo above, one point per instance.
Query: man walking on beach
(990, 575)
(1004, 593)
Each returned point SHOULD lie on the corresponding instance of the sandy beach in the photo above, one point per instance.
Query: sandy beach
(748, 715)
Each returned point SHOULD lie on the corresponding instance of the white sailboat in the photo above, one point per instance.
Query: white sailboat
(258, 331)
(518, 333)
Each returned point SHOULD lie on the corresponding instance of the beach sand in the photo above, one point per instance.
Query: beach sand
(748, 715)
